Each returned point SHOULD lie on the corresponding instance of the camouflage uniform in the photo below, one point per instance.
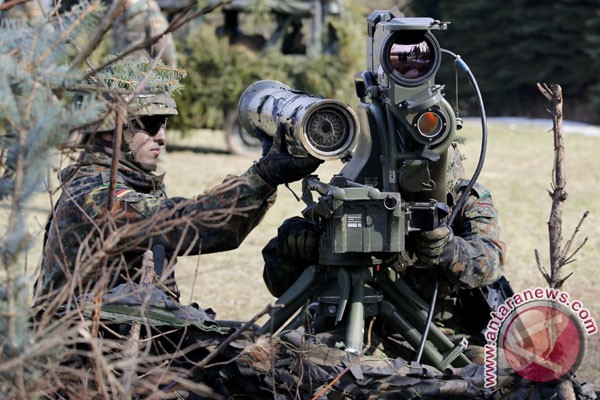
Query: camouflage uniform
(479, 255)
(182, 226)
(141, 20)
(478, 261)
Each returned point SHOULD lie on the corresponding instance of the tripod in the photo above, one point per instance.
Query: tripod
(365, 291)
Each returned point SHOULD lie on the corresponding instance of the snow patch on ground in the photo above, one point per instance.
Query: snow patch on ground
(569, 127)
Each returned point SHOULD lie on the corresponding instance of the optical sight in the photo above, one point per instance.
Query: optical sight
(324, 128)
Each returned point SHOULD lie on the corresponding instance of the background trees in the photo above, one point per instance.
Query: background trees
(511, 44)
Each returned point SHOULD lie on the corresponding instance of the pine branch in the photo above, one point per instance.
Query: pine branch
(67, 32)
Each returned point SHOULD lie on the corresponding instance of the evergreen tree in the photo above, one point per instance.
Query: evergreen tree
(36, 114)
(511, 45)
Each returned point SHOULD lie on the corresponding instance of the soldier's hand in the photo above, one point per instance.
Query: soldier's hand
(278, 166)
(266, 141)
(299, 240)
(287, 255)
(435, 247)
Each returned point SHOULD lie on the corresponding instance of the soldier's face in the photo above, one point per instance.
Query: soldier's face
(146, 143)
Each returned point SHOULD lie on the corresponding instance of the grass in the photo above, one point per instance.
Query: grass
(517, 171)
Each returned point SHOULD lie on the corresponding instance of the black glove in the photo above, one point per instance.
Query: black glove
(295, 248)
(278, 166)
(435, 247)
(298, 240)
(266, 141)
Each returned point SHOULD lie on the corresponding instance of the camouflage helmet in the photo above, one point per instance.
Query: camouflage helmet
(141, 106)
(125, 77)
(152, 104)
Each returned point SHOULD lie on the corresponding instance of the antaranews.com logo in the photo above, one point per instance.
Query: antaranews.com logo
(539, 334)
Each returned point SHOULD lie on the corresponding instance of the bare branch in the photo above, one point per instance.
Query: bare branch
(173, 26)
(558, 256)
(131, 348)
(540, 267)
(223, 345)
(565, 254)
(113, 13)
(11, 4)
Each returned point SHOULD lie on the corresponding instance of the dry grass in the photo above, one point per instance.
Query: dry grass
(517, 170)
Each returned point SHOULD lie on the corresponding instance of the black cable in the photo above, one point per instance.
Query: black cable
(484, 134)
(458, 60)
(436, 284)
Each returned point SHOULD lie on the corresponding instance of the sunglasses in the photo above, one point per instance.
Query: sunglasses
(150, 125)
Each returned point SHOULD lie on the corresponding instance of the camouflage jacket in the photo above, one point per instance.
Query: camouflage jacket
(479, 252)
(86, 242)
(478, 261)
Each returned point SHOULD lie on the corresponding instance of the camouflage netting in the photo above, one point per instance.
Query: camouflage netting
(294, 365)
(306, 372)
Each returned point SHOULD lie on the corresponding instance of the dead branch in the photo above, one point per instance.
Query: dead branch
(132, 345)
(565, 254)
(559, 194)
(177, 23)
(540, 267)
(559, 256)
(223, 345)
(113, 13)
(116, 151)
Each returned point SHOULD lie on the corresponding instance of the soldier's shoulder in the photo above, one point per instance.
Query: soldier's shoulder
(478, 189)
(99, 185)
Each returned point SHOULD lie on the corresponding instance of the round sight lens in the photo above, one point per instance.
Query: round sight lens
(411, 61)
(411, 57)
(429, 124)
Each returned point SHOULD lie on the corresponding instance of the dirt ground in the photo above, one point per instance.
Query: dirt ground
(518, 176)
(517, 171)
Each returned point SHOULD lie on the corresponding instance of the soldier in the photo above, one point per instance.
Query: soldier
(140, 21)
(467, 255)
(142, 216)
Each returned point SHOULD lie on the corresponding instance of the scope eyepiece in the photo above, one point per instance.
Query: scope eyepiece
(410, 58)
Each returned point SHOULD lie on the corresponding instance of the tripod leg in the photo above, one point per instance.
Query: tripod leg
(291, 300)
(355, 329)
(409, 332)
(405, 300)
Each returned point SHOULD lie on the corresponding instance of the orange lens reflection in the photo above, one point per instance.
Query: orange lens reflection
(429, 124)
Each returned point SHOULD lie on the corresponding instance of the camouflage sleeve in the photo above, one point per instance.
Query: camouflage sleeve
(216, 221)
(479, 252)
